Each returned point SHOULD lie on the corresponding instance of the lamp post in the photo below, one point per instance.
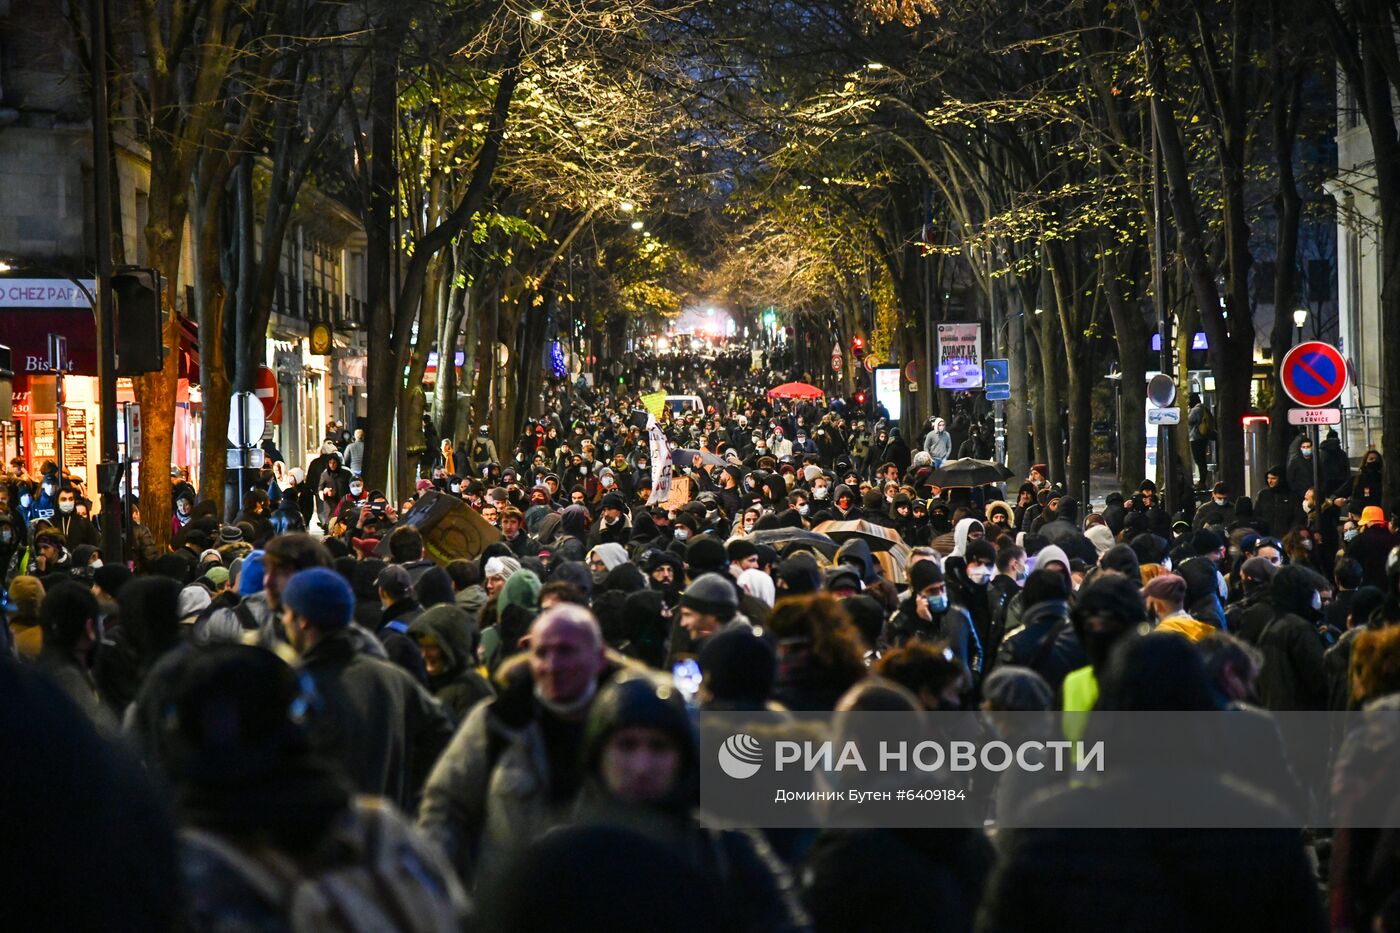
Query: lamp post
(1300, 318)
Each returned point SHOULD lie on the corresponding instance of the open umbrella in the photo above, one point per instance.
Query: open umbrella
(969, 472)
(886, 546)
(879, 537)
(783, 540)
(795, 390)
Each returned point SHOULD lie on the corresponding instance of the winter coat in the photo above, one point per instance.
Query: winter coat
(493, 790)
(1293, 676)
(393, 634)
(898, 879)
(72, 678)
(1279, 509)
(952, 625)
(1152, 880)
(1300, 472)
(459, 686)
(1027, 645)
(1371, 548)
(383, 727)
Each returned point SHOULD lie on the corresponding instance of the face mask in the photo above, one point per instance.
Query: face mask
(50, 490)
(1307, 453)
(1020, 576)
(1351, 533)
(95, 564)
(1219, 500)
(938, 603)
(65, 507)
(1307, 544)
(802, 508)
(1317, 601)
(977, 574)
(819, 492)
(748, 526)
(641, 464)
(607, 482)
(24, 501)
(583, 470)
(1222, 589)
(456, 487)
(682, 533)
(356, 489)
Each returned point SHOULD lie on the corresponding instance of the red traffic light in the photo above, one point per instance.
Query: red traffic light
(857, 344)
(860, 398)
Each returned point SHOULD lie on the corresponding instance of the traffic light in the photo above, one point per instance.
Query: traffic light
(860, 399)
(137, 296)
(858, 348)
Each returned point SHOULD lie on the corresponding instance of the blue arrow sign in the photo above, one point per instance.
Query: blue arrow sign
(996, 371)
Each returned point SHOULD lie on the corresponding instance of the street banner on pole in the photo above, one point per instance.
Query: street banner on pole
(959, 356)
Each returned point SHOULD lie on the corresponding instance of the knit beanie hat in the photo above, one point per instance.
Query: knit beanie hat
(706, 555)
(739, 666)
(321, 596)
(923, 574)
(1167, 586)
(27, 593)
(712, 594)
(1016, 688)
(250, 577)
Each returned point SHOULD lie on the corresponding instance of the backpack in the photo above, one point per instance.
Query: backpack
(382, 876)
(1205, 428)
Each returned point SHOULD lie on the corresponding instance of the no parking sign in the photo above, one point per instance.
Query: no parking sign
(1314, 374)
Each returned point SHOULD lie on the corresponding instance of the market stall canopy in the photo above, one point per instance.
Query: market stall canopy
(795, 390)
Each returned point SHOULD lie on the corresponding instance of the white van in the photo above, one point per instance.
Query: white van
(680, 404)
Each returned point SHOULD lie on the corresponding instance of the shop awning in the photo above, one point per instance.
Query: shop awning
(26, 332)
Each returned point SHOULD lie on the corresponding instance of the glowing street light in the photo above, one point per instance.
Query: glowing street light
(637, 225)
(1300, 318)
(536, 16)
(874, 66)
(626, 207)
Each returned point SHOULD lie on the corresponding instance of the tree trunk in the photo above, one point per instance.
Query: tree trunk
(156, 394)
(1018, 409)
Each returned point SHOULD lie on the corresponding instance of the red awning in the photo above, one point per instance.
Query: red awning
(189, 350)
(26, 332)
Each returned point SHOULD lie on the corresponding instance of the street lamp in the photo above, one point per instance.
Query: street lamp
(536, 16)
(637, 225)
(1300, 317)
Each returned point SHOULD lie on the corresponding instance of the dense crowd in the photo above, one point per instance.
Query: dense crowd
(296, 720)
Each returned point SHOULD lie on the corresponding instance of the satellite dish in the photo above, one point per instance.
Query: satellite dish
(1161, 390)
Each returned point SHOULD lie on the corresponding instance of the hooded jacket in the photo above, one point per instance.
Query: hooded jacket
(494, 791)
(459, 686)
(1294, 675)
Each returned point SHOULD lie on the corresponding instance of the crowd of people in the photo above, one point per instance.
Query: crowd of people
(296, 720)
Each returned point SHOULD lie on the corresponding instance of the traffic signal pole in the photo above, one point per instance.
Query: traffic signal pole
(107, 477)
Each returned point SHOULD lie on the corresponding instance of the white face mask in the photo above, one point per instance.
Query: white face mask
(95, 564)
(819, 492)
(977, 573)
(1316, 601)
(356, 489)
(682, 533)
(802, 508)
(607, 482)
(24, 501)
(65, 507)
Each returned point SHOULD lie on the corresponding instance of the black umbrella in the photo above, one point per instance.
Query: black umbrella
(780, 539)
(969, 472)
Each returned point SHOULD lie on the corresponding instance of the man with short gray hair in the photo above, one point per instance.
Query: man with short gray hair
(512, 771)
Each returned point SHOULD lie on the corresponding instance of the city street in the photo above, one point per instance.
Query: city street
(472, 466)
